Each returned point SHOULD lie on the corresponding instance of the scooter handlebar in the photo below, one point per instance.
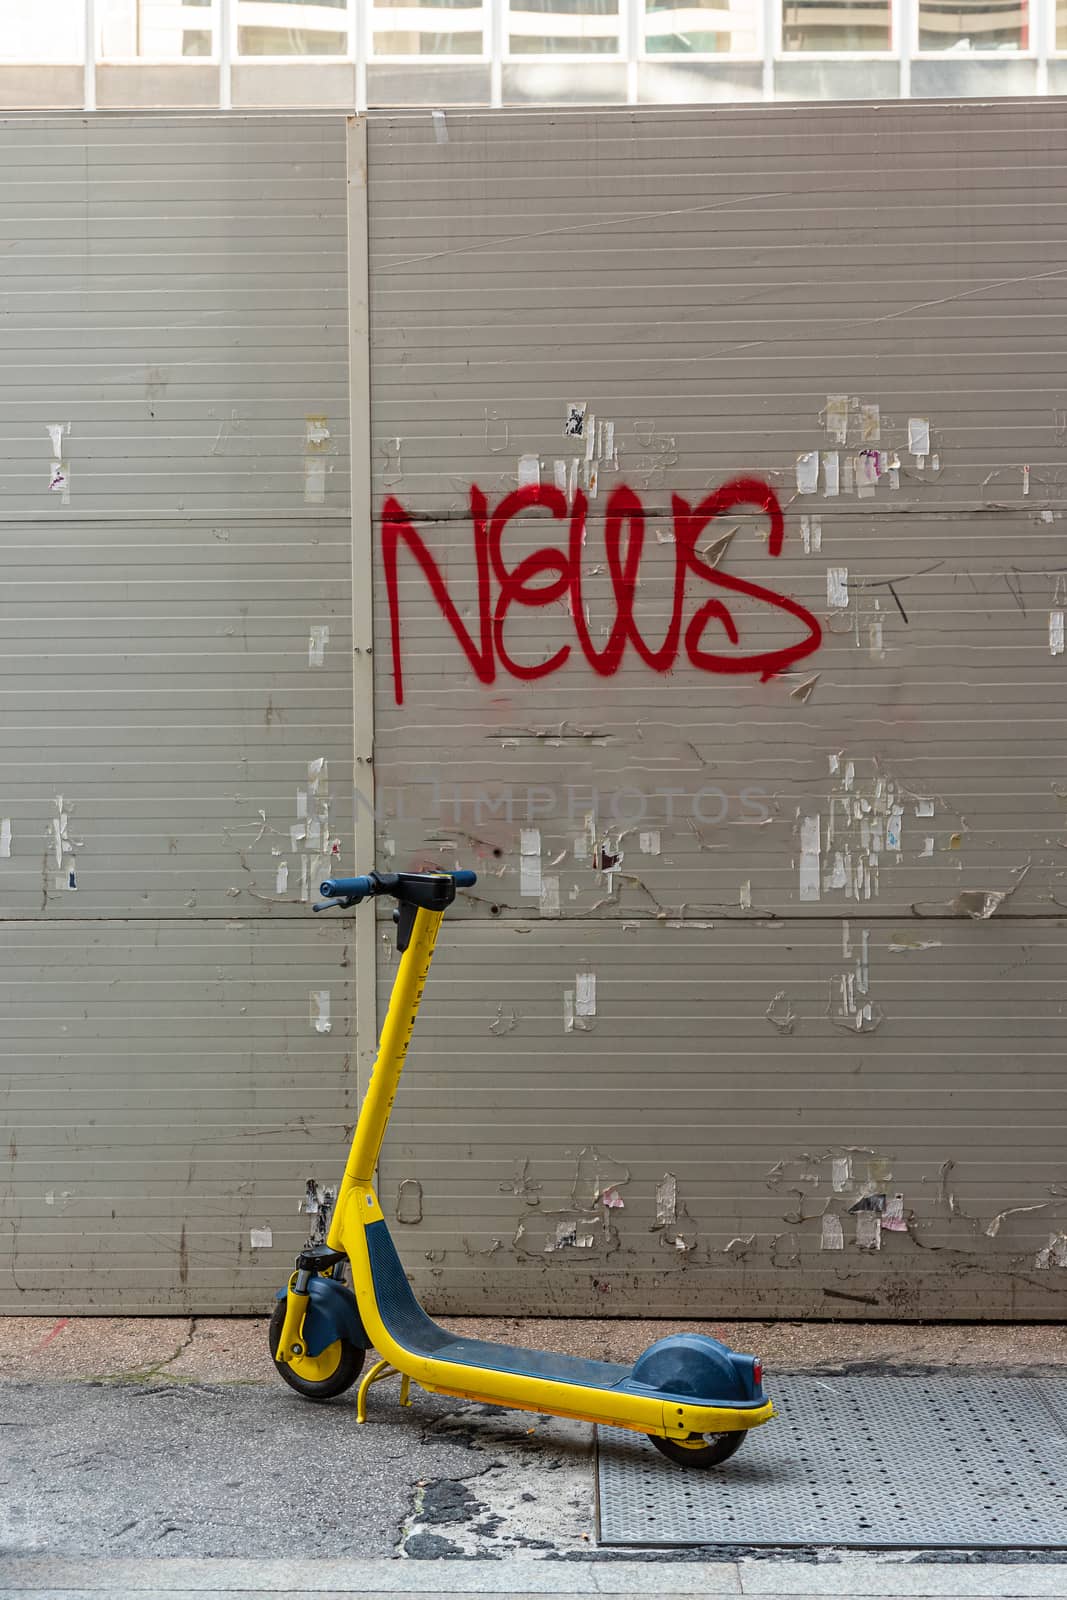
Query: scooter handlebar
(351, 891)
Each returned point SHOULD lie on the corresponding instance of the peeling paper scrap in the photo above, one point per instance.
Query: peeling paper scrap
(261, 1238)
(574, 419)
(530, 862)
(529, 472)
(869, 1230)
(836, 417)
(314, 480)
(320, 1009)
(317, 642)
(918, 436)
(585, 994)
(893, 1217)
(841, 1174)
(810, 857)
(837, 587)
(59, 480)
(590, 437)
(833, 1234)
(440, 126)
(5, 838)
(807, 468)
(667, 1201)
(1055, 633)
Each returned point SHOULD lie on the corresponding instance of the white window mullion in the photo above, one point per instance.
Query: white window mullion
(225, 23)
(497, 45)
(89, 89)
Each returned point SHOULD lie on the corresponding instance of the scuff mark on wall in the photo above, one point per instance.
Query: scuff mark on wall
(409, 1201)
(780, 1014)
(316, 444)
(504, 1023)
(1054, 1254)
(63, 847)
(586, 1224)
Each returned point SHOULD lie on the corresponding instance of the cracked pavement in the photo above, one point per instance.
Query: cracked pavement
(175, 1437)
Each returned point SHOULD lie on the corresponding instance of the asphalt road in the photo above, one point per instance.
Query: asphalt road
(116, 1468)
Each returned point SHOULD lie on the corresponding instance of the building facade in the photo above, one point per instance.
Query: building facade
(655, 510)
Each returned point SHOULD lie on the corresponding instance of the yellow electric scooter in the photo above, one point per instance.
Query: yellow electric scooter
(693, 1396)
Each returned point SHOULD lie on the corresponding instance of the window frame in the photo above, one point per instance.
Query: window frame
(890, 53)
(465, 60)
(94, 51)
(347, 24)
(564, 58)
(703, 56)
(1029, 54)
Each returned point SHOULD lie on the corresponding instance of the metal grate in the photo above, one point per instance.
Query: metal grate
(871, 1462)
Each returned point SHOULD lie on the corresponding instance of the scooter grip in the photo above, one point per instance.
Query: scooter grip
(465, 878)
(346, 888)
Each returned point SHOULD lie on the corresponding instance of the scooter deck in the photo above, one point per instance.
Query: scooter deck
(409, 1325)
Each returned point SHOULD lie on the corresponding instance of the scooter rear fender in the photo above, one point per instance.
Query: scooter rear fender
(332, 1314)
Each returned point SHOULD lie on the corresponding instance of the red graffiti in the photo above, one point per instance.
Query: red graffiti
(555, 571)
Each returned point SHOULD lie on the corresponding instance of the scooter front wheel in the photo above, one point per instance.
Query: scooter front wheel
(701, 1449)
(320, 1377)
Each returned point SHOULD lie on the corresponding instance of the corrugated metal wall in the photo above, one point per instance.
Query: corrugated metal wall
(758, 1007)
(175, 705)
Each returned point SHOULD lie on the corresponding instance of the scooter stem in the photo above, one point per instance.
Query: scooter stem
(396, 1034)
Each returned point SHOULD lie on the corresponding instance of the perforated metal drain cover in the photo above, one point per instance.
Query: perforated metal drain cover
(871, 1462)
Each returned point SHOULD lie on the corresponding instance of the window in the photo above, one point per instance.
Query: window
(563, 27)
(832, 26)
(701, 27)
(154, 30)
(47, 33)
(427, 28)
(292, 27)
(965, 25)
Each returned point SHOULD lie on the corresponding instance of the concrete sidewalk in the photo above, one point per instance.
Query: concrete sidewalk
(901, 1578)
(234, 1349)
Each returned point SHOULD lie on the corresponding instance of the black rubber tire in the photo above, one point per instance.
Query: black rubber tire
(719, 1448)
(342, 1378)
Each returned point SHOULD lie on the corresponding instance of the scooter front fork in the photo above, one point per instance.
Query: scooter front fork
(291, 1338)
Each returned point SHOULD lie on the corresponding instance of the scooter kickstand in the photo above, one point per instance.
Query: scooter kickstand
(380, 1370)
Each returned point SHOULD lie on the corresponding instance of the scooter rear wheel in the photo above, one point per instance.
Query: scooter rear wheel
(320, 1377)
(700, 1449)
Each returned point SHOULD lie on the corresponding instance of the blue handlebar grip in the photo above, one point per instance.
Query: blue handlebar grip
(336, 888)
(465, 879)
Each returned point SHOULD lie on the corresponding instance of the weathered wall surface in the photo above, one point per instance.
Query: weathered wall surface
(175, 685)
(758, 1005)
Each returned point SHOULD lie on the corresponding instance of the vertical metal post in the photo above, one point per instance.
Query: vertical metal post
(362, 571)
